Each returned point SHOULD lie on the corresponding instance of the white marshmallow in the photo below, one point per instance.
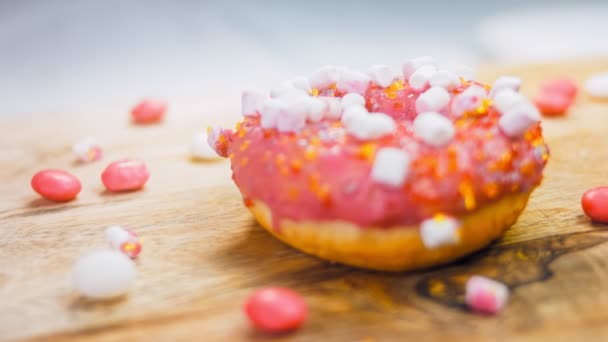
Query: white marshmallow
(438, 232)
(516, 121)
(116, 236)
(301, 83)
(352, 99)
(351, 81)
(251, 102)
(445, 79)
(103, 274)
(469, 100)
(271, 108)
(433, 128)
(382, 75)
(505, 82)
(421, 77)
(410, 66)
(285, 87)
(506, 99)
(370, 126)
(87, 149)
(199, 147)
(332, 109)
(213, 137)
(391, 166)
(352, 111)
(433, 99)
(465, 72)
(597, 85)
(316, 108)
(324, 77)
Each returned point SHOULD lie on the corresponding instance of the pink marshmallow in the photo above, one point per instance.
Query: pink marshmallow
(485, 295)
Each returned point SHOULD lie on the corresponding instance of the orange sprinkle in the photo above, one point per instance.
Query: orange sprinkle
(314, 92)
(514, 187)
(231, 156)
(315, 141)
(310, 153)
(238, 125)
(366, 151)
(244, 161)
(391, 90)
(280, 159)
(332, 87)
(324, 195)
(439, 217)
(245, 145)
(268, 133)
(491, 189)
(221, 138)
(241, 132)
(293, 193)
(527, 168)
(503, 163)
(296, 166)
(128, 247)
(208, 129)
(468, 195)
(248, 202)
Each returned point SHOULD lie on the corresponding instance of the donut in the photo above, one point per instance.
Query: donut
(386, 169)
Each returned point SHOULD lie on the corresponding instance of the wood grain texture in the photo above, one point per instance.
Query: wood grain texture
(203, 253)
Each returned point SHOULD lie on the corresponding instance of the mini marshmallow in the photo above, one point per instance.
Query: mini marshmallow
(213, 135)
(103, 274)
(433, 99)
(506, 99)
(370, 126)
(469, 100)
(410, 66)
(282, 89)
(485, 295)
(445, 79)
(301, 83)
(352, 81)
(324, 77)
(251, 102)
(597, 85)
(382, 75)
(123, 240)
(316, 108)
(465, 72)
(87, 150)
(421, 77)
(352, 111)
(271, 108)
(439, 231)
(516, 121)
(433, 128)
(332, 109)
(352, 99)
(505, 82)
(200, 149)
(391, 166)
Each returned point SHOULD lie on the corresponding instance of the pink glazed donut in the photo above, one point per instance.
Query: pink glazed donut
(386, 170)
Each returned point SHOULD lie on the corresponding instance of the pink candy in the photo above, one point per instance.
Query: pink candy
(125, 175)
(56, 185)
(485, 295)
(276, 309)
(149, 111)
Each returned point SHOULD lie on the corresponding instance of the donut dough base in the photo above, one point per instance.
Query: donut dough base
(398, 248)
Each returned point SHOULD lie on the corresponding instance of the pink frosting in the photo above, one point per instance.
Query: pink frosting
(322, 173)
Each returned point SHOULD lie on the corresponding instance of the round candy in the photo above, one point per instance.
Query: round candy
(552, 104)
(276, 309)
(149, 111)
(103, 274)
(562, 86)
(595, 204)
(597, 85)
(125, 175)
(56, 185)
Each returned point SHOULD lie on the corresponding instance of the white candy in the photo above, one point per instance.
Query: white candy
(410, 66)
(445, 79)
(87, 149)
(285, 87)
(199, 147)
(352, 81)
(317, 107)
(351, 112)
(421, 77)
(324, 77)
(505, 82)
(351, 99)
(214, 135)
(116, 236)
(433, 128)
(382, 75)
(432, 100)
(271, 108)
(486, 295)
(251, 102)
(103, 274)
(468, 100)
(370, 126)
(391, 166)
(506, 99)
(466, 72)
(439, 231)
(597, 85)
(516, 121)
(332, 109)
(301, 83)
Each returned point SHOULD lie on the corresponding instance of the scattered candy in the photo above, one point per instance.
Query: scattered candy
(597, 85)
(506, 99)
(433, 99)
(123, 240)
(505, 82)
(421, 77)
(276, 310)
(469, 100)
(382, 75)
(370, 126)
(439, 231)
(149, 111)
(56, 185)
(445, 79)
(595, 204)
(516, 121)
(87, 150)
(125, 175)
(391, 166)
(103, 274)
(200, 149)
(552, 104)
(485, 295)
(434, 128)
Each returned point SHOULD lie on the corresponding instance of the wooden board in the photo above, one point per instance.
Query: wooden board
(203, 253)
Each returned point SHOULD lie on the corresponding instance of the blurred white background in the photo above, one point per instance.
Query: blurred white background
(61, 56)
